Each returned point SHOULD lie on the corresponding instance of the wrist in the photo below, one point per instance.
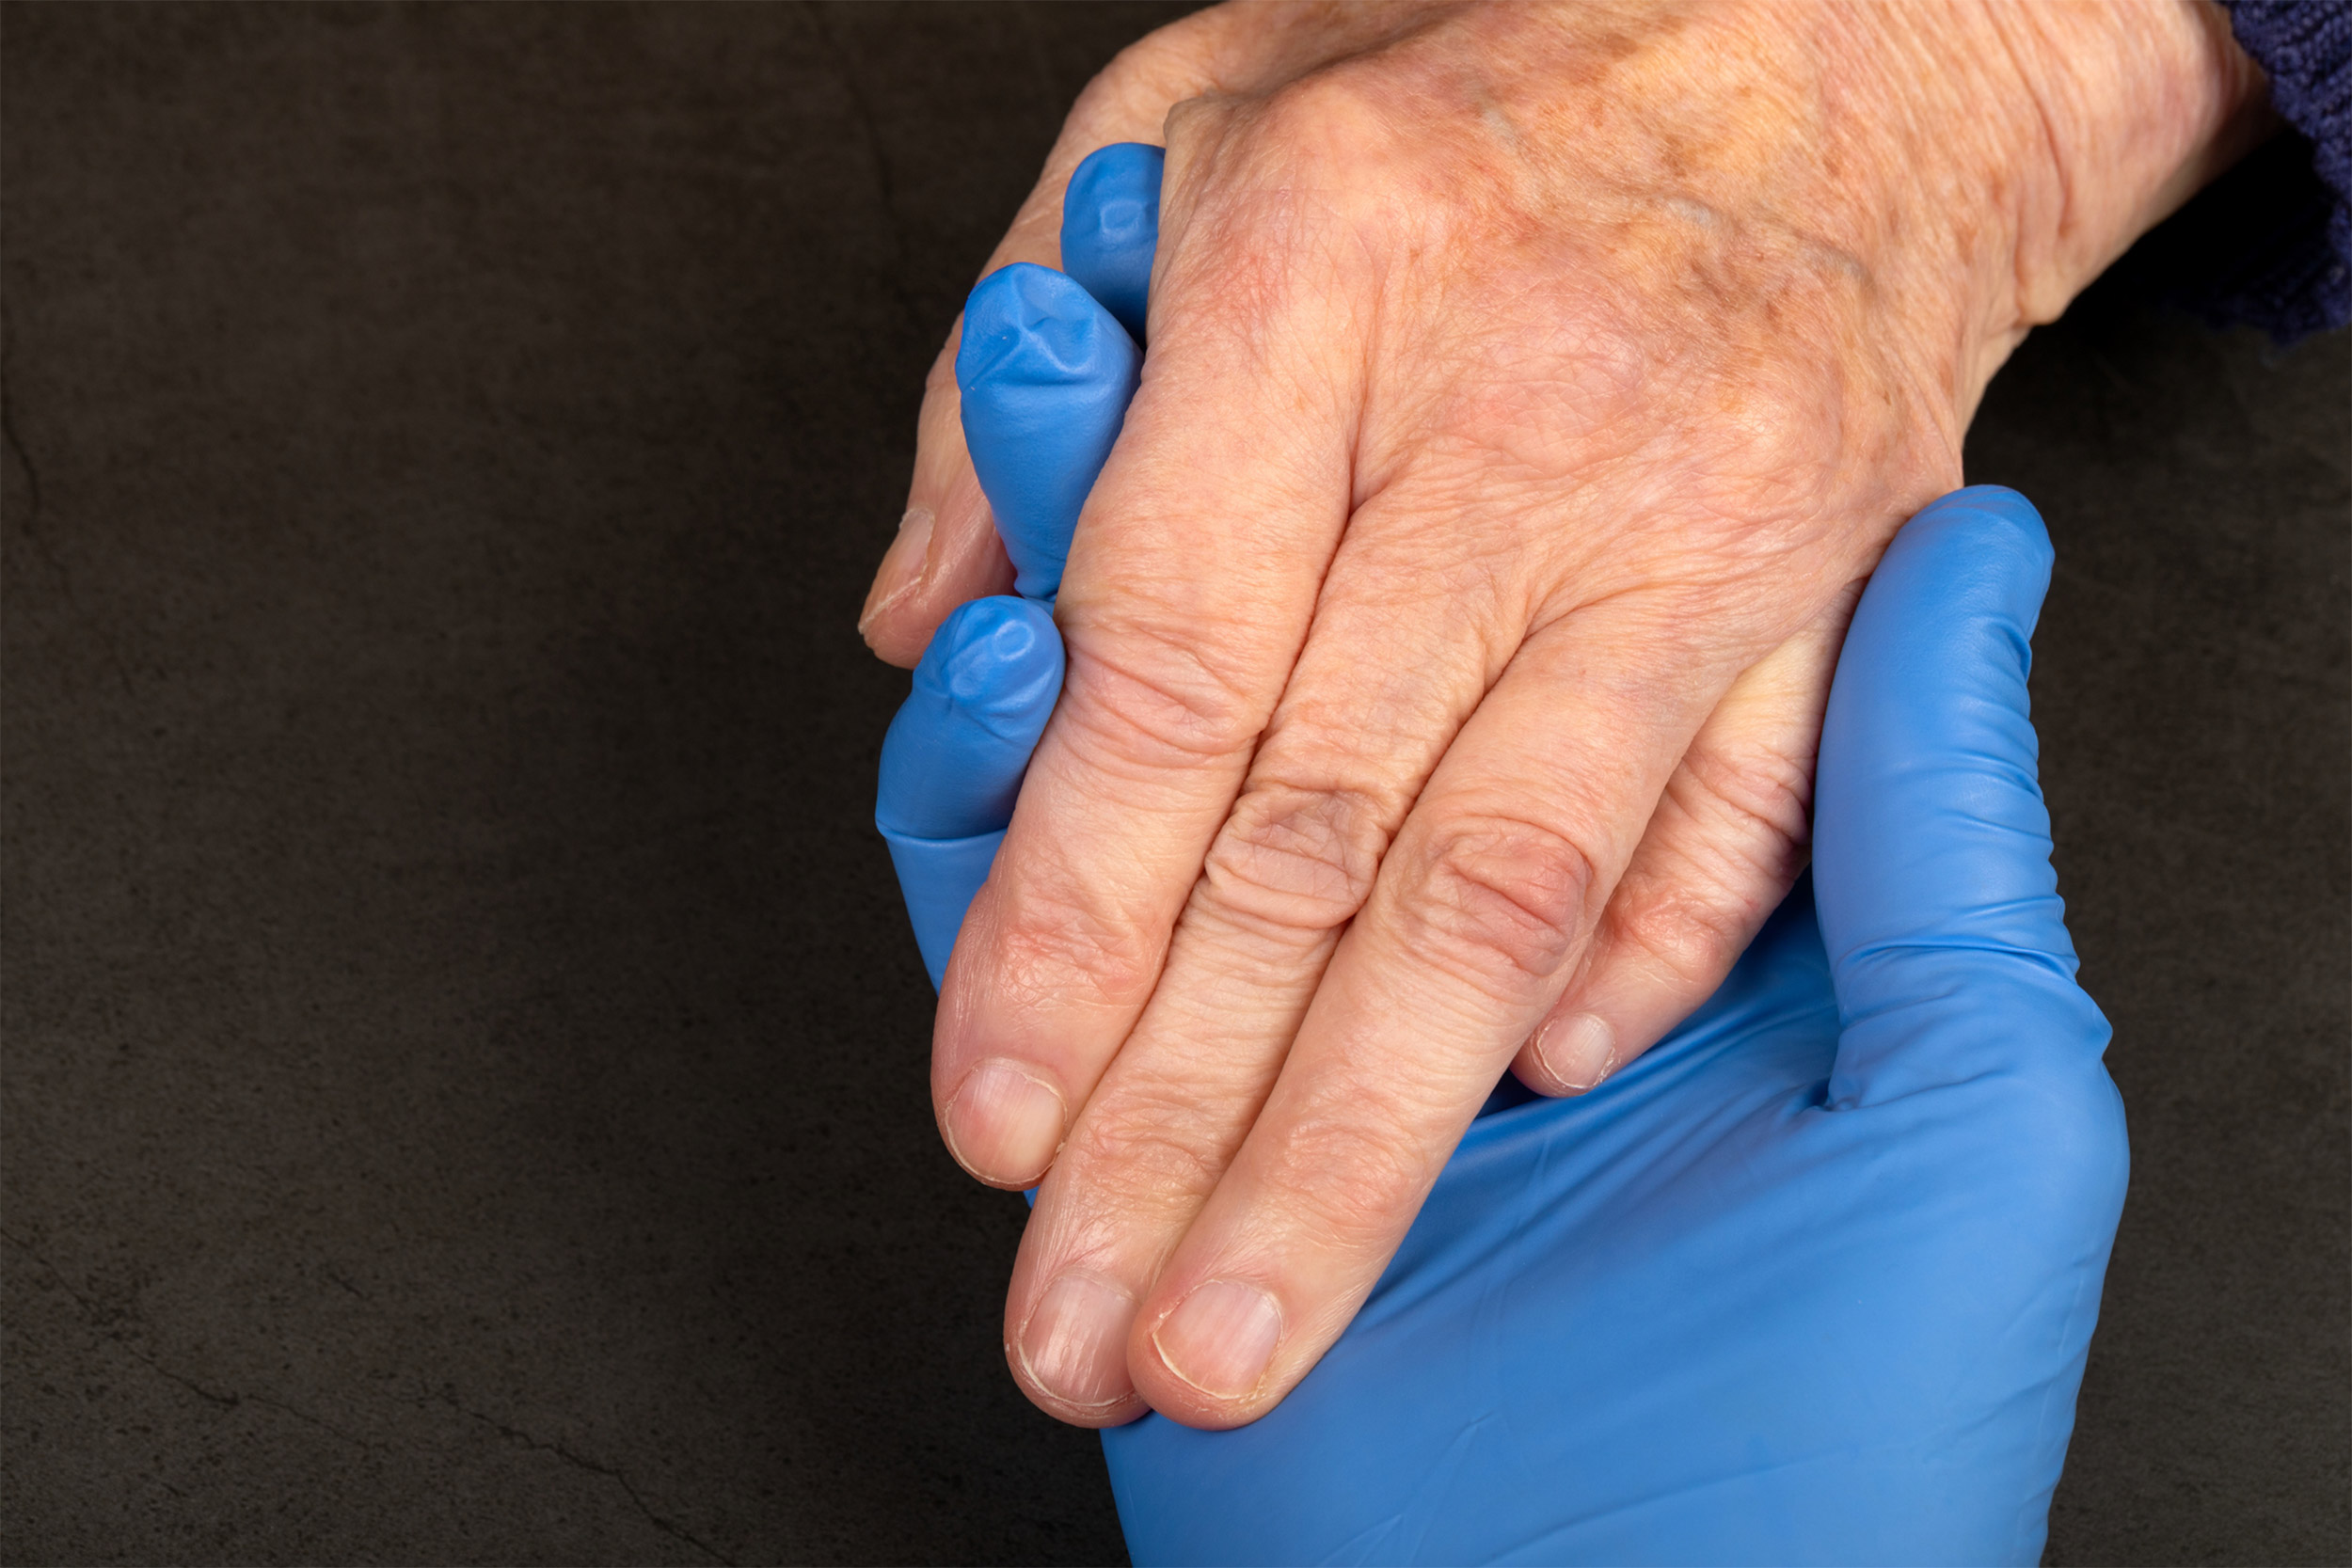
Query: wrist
(2060, 134)
(1979, 161)
(2144, 105)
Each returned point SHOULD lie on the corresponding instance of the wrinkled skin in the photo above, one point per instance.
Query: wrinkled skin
(1529, 390)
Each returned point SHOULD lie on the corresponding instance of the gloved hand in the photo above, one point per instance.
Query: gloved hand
(1812, 1281)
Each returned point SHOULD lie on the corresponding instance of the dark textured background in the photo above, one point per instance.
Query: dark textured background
(464, 1090)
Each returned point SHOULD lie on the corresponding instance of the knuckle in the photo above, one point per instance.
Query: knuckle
(1282, 186)
(1761, 800)
(1196, 124)
(1695, 933)
(1751, 828)
(1057, 947)
(1158, 697)
(1498, 899)
(1148, 1145)
(1340, 112)
(1300, 860)
(1348, 1172)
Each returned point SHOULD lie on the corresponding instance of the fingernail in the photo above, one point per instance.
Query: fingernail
(1074, 1344)
(901, 564)
(1221, 1338)
(1004, 1124)
(1579, 1051)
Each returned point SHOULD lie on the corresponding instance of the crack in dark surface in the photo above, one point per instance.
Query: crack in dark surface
(885, 181)
(99, 1321)
(16, 442)
(346, 1283)
(516, 1434)
(30, 524)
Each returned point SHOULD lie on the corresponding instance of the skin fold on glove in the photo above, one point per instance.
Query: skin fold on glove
(1811, 1281)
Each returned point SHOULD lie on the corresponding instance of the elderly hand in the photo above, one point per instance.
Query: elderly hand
(1527, 392)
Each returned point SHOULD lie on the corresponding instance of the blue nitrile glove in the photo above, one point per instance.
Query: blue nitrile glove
(952, 762)
(1810, 1281)
(1046, 375)
(1110, 226)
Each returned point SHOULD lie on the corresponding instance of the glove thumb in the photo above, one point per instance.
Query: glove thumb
(1938, 906)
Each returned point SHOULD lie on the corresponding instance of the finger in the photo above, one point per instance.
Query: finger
(1478, 912)
(1045, 376)
(952, 761)
(1110, 228)
(1349, 748)
(1186, 600)
(1145, 1153)
(1729, 836)
(1938, 905)
(946, 550)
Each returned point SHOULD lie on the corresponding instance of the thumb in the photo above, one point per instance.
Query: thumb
(952, 763)
(1931, 845)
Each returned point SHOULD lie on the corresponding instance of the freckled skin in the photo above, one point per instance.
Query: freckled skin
(1529, 389)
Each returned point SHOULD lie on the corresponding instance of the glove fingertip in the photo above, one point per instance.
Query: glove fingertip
(1045, 374)
(1986, 534)
(953, 760)
(1110, 227)
(1025, 323)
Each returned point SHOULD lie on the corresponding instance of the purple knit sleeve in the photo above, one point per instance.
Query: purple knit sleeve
(2289, 266)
